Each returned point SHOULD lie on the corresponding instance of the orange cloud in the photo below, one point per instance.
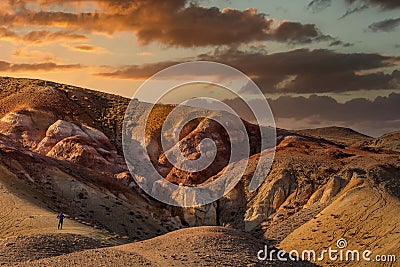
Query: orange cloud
(40, 36)
(6, 33)
(36, 67)
(170, 22)
(86, 48)
(43, 36)
(34, 55)
(144, 54)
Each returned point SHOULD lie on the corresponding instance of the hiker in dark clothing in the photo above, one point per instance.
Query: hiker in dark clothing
(60, 218)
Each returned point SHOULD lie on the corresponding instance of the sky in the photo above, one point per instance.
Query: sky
(318, 62)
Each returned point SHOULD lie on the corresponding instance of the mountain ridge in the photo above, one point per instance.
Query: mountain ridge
(68, 151)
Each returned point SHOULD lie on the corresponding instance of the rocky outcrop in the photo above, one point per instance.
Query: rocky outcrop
(270, 199)
(63, 129)
(189, 146)
(328, 192)
(40, 132)
(204, 215)
(82, 145)
(79, 150)
(27, 126)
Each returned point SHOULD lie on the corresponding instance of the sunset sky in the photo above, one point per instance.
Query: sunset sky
(319, 62)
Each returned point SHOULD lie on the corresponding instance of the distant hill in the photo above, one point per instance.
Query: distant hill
(339, 135)
(390, 141)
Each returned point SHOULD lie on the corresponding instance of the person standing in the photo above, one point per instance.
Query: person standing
(60, 218)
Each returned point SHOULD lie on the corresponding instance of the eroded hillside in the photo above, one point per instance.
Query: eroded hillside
(60, 149)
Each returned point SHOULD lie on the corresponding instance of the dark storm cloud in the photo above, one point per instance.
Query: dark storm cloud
(340, 43)
(385, 25)
(295, 32)
(171, 22)
(327, 108)
(313, 71)
(372, 117)
(383, 4)
(375, 117)
(355, 5)
(296, 71)
(354, 10)
(319, 5)
(360, 5)
(137, 72)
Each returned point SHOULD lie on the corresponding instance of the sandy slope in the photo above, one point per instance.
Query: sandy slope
(367, 217)
(32, 247)
(28, 230)
(89, 197)
(22, 213)
(199, 246)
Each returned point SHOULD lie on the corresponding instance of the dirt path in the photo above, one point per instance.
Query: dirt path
(23, 213)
